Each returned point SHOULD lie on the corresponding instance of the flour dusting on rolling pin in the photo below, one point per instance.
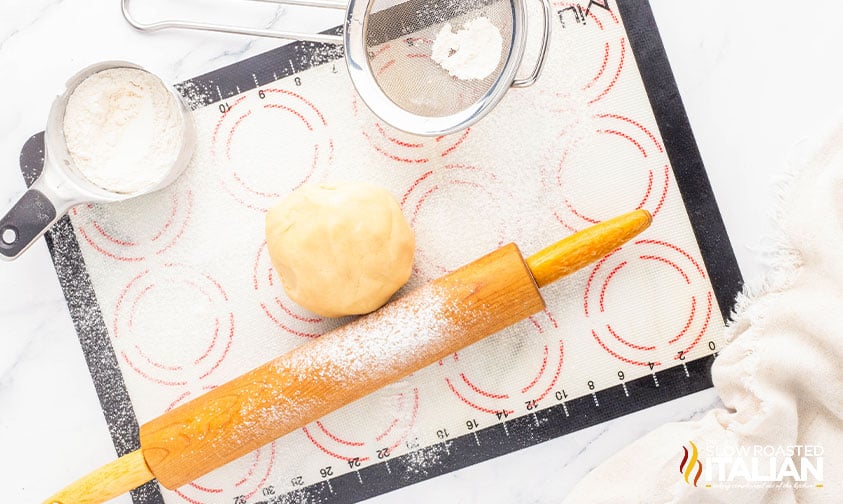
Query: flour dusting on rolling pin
(124, 129)
(473, 52)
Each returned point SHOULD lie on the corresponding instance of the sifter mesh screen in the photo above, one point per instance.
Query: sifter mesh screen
(399, 44)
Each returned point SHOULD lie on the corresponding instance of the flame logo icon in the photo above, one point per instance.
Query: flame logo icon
(689, 463)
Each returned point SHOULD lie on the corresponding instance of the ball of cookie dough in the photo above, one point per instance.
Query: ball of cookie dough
(341, 249)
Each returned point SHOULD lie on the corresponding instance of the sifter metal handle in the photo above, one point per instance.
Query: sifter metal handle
(185, 24)
(537, 69)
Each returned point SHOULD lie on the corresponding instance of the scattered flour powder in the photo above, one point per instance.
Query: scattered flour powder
(470, 53)
(344, 365)
(123, 129)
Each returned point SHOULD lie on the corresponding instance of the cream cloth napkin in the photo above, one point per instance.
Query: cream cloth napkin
(780, 378)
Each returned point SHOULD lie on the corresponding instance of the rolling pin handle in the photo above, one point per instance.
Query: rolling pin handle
(587, 246)
(109, 481)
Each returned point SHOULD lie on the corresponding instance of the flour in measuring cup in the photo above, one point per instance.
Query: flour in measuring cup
(473, 52)
(123, 129)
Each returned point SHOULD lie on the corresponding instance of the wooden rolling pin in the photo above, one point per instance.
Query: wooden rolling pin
(348, 363)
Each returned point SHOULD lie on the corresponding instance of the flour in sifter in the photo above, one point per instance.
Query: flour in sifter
(473, 52)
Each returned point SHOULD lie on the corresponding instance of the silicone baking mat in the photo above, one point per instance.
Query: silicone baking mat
(173, 294)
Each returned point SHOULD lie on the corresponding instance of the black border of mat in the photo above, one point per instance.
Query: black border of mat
(482, 444)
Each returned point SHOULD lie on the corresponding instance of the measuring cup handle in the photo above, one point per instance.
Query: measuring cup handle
(31, 216)
(540, 59)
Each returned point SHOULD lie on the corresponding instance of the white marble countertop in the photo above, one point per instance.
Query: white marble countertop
(759, 83)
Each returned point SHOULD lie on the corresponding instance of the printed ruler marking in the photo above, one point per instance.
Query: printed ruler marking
(514, 434)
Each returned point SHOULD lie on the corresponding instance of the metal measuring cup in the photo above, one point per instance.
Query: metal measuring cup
(61, 185)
